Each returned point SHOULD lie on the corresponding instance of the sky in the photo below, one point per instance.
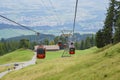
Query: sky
(90, 15)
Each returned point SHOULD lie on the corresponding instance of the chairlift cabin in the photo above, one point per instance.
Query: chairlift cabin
(68, 46)
(60, 44)
(72, 51)
(71, 48)
(41, 52)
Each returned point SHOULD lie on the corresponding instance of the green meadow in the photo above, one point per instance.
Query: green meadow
(19, 55)
(90, 64)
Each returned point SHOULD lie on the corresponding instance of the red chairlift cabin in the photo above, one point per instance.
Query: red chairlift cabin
(71, 48)
(41, 52)
(59, 43)
(72, 51)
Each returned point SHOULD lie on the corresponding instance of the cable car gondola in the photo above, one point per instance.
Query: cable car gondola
(72, 51)
(60, 44)
(41, 52)
(72, 48)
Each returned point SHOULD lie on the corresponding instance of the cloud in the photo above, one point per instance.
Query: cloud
(43, 12)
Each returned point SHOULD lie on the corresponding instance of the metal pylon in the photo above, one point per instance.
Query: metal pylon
(66, 34)
(66, 53)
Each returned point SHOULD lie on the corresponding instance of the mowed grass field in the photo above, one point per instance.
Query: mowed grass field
(90, 64)
(17, 56)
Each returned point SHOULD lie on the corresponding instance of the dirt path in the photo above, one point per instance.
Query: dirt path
(20, 65)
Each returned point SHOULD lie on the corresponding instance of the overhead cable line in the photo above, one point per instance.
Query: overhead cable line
(38, 34)
(18, 23)
(51, 3)
(56, 18)
(74, 24)
(44, 6)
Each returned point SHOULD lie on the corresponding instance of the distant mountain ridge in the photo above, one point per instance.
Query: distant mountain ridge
(35, 38)
(4, 26)
(32, 38)
(67, 26)
(7, 26)
(13, 31)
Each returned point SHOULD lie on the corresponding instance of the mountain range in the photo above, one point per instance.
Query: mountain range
(13, 32)
(66, 26)
(42, 37)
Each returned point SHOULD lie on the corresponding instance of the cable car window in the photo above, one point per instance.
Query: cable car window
(40, 51)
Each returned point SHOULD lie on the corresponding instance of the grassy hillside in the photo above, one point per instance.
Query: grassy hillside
(3, 68)
(94, 64)
(50, 55)
(16, 56)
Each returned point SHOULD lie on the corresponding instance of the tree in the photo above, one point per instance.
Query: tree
(24, 43)
(32, 44)
(87, 43)
(105, 36)
(1, 49)
(46, 41)
(100, 39)
(109, 23)
(77, 45)
(8, 46)
(82, 45)
(92, 41)
(52, 43)
(56, 39)
(117, 24)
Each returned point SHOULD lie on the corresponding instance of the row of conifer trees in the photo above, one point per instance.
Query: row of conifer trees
(111, 29)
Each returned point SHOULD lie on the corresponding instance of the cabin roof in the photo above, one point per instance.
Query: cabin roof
(49, 47)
